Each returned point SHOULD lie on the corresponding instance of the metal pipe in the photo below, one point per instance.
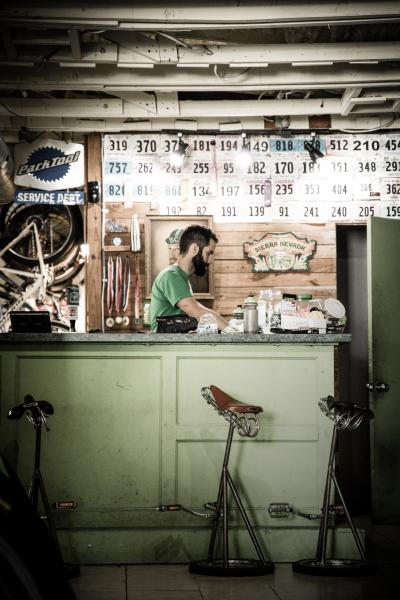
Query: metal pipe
(323, 529)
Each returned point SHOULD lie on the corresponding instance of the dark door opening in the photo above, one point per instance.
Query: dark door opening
(354, 446)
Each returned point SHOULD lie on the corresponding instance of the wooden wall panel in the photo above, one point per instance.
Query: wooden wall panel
(93, 237)
(234, 279)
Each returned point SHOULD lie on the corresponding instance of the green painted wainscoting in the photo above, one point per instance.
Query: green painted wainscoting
(131, 431)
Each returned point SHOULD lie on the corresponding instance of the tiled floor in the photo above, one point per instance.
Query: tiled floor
(174, 582)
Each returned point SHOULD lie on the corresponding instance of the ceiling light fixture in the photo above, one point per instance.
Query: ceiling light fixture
(179, 154)
(313, 149)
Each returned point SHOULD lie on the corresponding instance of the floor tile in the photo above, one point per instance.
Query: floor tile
(306, 587)
(100, 578)
(236, 589)
(160, 577)
(100, 595)
(164, 595)
(174, 582)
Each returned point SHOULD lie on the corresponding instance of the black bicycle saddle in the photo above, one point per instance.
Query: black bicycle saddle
(30, 403)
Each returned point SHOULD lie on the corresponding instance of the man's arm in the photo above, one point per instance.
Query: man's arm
(193, 308)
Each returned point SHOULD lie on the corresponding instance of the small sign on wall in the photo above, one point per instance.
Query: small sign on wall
(31, 196)
(280, 252)
(49, 165)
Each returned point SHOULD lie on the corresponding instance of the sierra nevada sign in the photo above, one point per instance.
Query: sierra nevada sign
(280, 252)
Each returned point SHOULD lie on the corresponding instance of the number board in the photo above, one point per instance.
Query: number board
(358, 177)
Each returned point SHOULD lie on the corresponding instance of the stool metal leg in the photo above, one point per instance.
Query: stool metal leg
(33, 491)
(221, 495)
(245, 518)
(323, 530)
(37, 487)
(226, 566)
(321, 565)
(350, 521)
(225, 517)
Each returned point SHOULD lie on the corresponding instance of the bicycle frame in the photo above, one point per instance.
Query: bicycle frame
(37, 289)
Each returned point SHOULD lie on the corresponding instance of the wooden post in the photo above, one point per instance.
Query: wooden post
(93, 237)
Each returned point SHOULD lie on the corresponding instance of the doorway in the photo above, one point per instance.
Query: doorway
(354, 446)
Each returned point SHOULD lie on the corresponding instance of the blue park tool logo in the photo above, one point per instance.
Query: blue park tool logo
(48, 164)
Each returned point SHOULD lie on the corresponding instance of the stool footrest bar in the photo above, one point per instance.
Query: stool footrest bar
(236, 568)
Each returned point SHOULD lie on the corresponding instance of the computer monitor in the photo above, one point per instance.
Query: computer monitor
(30, 321)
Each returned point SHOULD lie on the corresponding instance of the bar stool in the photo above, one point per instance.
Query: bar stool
(243, 418)
(344, 416)
(36, 413)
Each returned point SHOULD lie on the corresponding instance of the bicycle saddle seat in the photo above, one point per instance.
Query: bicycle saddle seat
(350, 408)
(28, 404)
(225, 402)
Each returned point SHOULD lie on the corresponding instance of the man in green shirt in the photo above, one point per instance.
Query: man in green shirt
(171, 293)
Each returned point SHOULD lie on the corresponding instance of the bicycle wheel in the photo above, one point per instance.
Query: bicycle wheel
(66, 268)
(59, 227)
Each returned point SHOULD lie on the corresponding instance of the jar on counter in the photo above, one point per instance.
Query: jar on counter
(238, 313)
(274, 310)
(303, 304)
(250, 315)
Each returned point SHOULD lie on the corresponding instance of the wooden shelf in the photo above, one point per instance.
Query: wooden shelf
(117, 249)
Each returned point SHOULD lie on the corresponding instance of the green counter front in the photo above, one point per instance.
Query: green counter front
(131, 431)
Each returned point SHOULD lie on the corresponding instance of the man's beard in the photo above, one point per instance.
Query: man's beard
(200, 265)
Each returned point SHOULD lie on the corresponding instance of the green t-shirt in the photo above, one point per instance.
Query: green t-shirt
(170, 286)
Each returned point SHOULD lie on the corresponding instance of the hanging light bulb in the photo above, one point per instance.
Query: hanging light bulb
(179, 154)
(244, 157)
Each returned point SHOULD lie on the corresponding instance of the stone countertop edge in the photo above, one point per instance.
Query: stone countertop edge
(174, 338)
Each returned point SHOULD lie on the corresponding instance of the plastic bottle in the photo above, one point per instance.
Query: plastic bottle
(146, 313)
(262, 310)
(238, 312)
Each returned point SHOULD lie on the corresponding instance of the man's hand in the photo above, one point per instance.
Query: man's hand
(195, 309)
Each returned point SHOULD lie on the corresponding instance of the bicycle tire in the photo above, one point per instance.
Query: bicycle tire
(60, 227)
(67, 268)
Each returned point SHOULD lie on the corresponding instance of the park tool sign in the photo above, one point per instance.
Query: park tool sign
(49, 165)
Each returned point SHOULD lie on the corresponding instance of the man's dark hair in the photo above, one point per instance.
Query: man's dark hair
(196, 234)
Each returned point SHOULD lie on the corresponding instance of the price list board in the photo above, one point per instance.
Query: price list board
(276, 180)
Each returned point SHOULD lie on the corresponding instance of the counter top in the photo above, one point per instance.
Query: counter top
(173, 338)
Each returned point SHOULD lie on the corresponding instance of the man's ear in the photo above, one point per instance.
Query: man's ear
(193, 249)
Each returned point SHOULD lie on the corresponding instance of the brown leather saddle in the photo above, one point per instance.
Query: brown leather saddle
(225, 402)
